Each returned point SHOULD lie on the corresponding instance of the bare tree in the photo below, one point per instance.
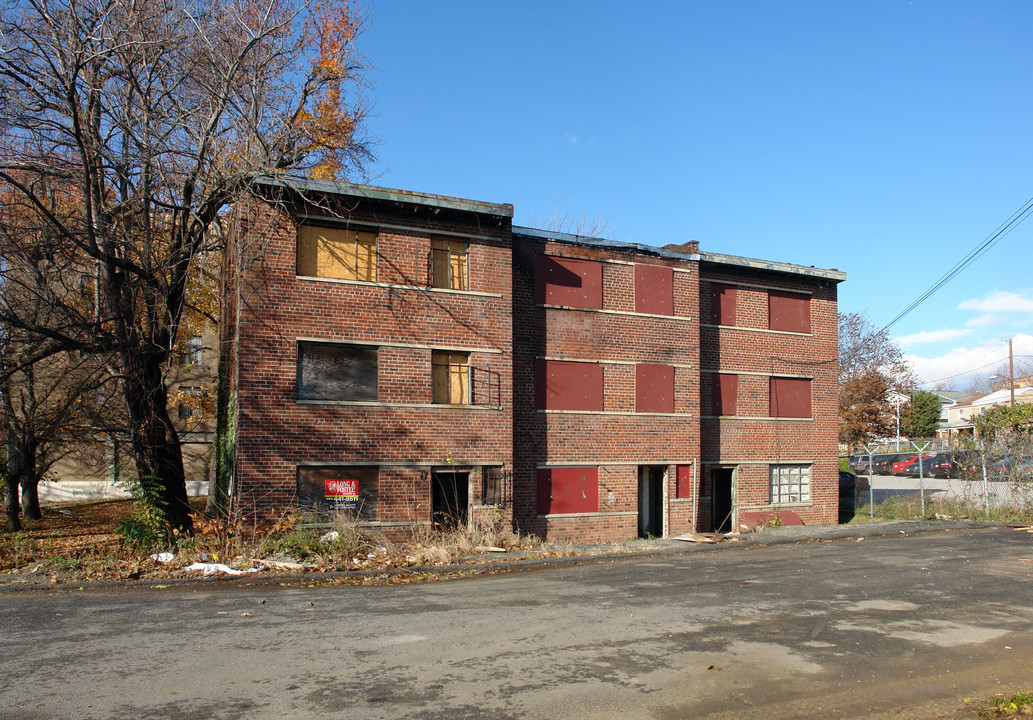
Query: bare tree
(128, 128)
(870, 365)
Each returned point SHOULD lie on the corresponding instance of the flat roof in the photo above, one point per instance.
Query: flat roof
(334, 187)
(707, 257)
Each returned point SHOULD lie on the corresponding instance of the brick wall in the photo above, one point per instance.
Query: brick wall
(618, 439)
(664, 458)
(403, 432)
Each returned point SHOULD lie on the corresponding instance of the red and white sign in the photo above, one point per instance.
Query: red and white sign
(342, 494)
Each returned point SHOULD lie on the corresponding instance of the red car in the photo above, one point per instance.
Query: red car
(908, 467)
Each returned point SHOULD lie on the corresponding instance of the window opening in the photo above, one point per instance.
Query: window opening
(451, 377)
(790, 483)
(337, 372)
(450, 264)
(337, 253)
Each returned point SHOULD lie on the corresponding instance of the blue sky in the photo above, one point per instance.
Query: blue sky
(885, 139)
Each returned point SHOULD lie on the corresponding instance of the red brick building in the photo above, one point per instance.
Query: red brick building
(413, 359)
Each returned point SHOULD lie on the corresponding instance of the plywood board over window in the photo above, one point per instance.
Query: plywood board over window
(654, 388)
(722, 304)
(568, 490)
(654, 290)
(789, 312)
(561, 385)
(337, 253)
(450, 263)
(790, 397)
(567, 281)
(337, 372)
(451, 377)
(724, 391)
(350, 491)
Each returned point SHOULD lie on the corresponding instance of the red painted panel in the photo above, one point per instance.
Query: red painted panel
(684, 481)
(563, 385)
(568, 490)
(565, 281)
(654, 388)
(654, 290)
(722, 304)
(723, 394)
(790, 397)
(789, 311)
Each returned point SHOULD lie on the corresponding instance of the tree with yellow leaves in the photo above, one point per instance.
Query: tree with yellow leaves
(128, 128)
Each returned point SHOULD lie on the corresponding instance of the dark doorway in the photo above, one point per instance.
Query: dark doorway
(651, 501)
(449, 499)
(722, 493)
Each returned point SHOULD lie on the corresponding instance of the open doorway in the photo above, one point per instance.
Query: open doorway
(449, 499)
(651, 500)
(722, 493)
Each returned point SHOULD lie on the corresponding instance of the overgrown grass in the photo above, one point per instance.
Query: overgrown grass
(940, 507)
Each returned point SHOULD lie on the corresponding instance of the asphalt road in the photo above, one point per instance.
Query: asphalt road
(902, 627)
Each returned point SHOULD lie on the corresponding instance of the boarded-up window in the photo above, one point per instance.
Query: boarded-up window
(790, 397)
(790, 483)
(451, 377)
(566, 281)
(654, 388)
(722, 304)
(337, 253)
(351, 491)
(450, 264)
(568, 490)
(685, 483)
(654, 290)
(788, 311)
(337, 372)
(724, 390)
(563, 385)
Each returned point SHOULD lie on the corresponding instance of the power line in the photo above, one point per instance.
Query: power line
(981, 367)
(1003, 229)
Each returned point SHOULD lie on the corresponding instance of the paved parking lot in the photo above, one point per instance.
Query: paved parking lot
(863, 626)
(998, 493)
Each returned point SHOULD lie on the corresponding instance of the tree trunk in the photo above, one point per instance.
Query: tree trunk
(222, 450)
(14, 522)
(30, 499)
(156, 449)
(11, 476)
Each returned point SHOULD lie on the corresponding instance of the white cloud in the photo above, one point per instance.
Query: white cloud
(984, 321)
(927, 337)
(999, 301)
(572, 139)
(962, 363)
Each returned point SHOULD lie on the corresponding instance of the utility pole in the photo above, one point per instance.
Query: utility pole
(1011, 372)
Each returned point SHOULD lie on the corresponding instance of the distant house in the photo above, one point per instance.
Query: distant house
(962, 415)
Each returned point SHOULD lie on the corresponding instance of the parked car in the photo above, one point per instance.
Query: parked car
(940, 465)
(851, 486)
(858, 463)
(883, 464)
(908, 467)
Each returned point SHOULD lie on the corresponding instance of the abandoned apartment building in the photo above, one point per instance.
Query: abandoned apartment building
(412, 359)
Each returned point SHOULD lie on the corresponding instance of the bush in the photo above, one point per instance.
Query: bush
(145, 528)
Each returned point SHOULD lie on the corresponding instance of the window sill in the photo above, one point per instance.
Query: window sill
(364, 403)
(550, 306)
(421, 288)
(777, 506)
(755, 417)
(752, 329)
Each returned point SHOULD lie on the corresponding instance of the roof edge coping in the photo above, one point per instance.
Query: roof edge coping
(372, 192)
